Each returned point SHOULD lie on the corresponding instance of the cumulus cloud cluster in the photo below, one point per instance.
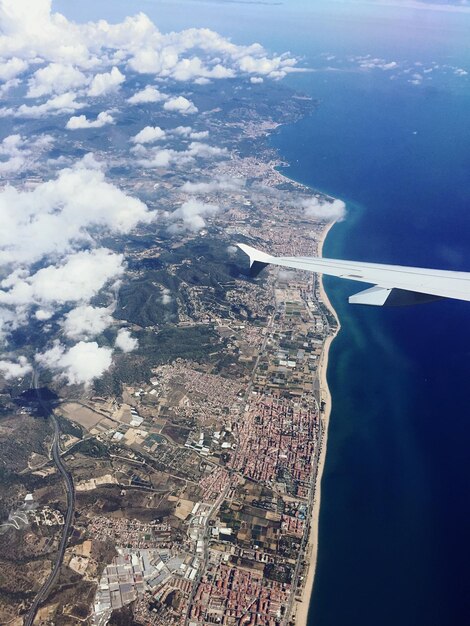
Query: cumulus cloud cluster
(164, 157)
(415, 72)
(150, 134)
(55, 78)
(92, 59)
(57, 105)
(54, 226)
(56, 216)
(52, 262)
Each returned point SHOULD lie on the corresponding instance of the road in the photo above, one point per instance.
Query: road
(43, 593)
(205, 559)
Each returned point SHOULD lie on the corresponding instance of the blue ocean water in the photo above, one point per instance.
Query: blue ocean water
(395, 510)
(394, 546)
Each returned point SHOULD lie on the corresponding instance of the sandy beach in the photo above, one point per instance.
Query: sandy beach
(301, 608)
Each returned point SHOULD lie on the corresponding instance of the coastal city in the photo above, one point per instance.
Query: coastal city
(168, 474)
(235, 542)
(203, 480)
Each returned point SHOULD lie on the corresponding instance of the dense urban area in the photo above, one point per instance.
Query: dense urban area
(178, 485)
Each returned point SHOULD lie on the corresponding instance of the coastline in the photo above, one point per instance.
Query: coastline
(302, 606)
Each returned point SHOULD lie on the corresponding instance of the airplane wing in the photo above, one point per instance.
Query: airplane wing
(393, 284)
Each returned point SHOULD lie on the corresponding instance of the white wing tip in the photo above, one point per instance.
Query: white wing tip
(254, 254)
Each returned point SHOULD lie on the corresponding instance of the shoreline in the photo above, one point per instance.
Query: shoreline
(302, 607)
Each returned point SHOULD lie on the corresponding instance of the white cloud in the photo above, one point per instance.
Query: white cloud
(17, 154)
(166, 296)
(15, 157)
(10, 369)
(274, 67)
(43, 315)
(65, 103)
(149, 94)
(31, 30)
(190, 215)
(125, 341)
(149, 134)
(425, 5)
(156, 157)
(14, 164)
(180, 104)
(187, 131)
(80, 364)
(194, 68)
(162, 158)
(55, 78)
(12, 68)
(51, 224)
(460, 72)
(58, 215)
(220, 184)
(198, 149)
(10, 320)
(256, 80)
(9, 85)
(10, 146)
(77, 279)
(334, 210)
(104, 84)
(86, 321)
(81, 121)
(202, 134)
(183, 131)
(416, 79)
(154, 59)
(367, 62)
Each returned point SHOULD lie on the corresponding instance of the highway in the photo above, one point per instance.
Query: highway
(43, 593)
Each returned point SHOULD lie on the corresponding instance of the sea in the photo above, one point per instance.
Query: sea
(395, 507)
(393, 143)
